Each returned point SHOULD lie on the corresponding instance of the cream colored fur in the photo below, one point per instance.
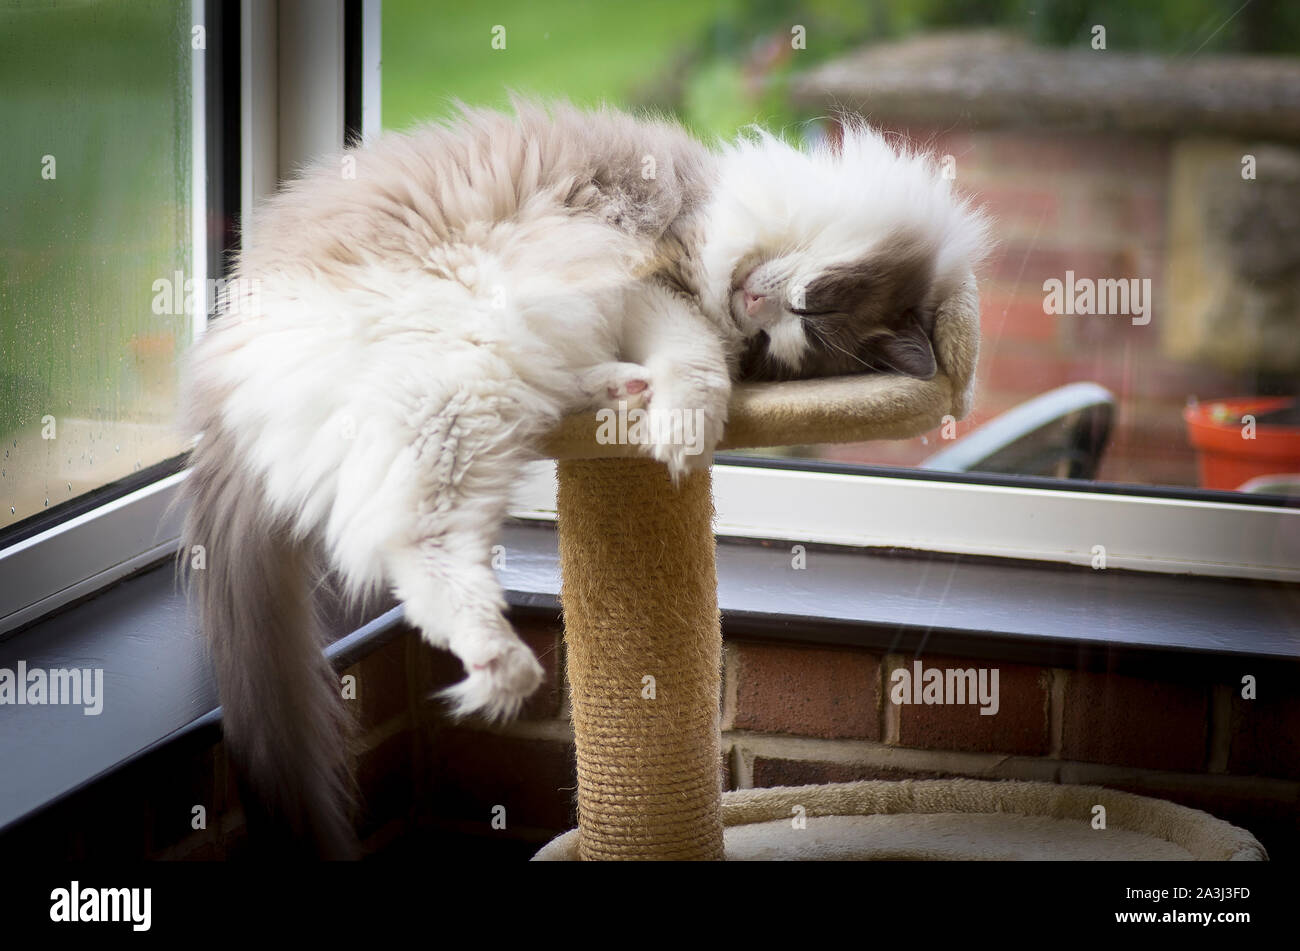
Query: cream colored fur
(410, 332)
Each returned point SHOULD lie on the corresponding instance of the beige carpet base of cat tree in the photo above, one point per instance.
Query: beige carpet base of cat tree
(960, 819)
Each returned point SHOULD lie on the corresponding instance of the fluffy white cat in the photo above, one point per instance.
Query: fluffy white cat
(404, 337)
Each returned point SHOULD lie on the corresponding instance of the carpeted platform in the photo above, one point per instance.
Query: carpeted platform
(961, 819)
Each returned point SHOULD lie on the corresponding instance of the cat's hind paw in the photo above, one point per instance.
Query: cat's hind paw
(495, 687)
(615, 383)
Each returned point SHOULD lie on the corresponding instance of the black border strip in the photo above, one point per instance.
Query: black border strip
(224, 135)
(353, 64)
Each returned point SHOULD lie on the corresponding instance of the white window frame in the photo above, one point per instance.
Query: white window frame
(1137, 532)
(292, 66)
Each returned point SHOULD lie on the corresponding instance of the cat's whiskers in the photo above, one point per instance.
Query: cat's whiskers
(880, 360)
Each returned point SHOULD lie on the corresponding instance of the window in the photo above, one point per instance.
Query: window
(136, 134)
(1183, 392)
(99, 244)
(120, 112)
(168, 122)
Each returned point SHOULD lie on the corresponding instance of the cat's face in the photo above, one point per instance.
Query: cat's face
(804, 317)
(835, 261)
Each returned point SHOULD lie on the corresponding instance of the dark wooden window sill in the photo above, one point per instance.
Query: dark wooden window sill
(159, 689)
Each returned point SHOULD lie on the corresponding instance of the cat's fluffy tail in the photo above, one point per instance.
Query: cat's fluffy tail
(283, 716)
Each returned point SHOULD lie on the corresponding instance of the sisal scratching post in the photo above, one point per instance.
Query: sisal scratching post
(640, 594)
(644, 646)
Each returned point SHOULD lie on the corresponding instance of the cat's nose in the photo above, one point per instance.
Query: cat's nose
(753, 302)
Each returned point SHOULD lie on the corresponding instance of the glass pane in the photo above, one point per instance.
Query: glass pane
(96, 210)
(1150, 144)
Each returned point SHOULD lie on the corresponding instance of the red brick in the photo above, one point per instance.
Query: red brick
(1129, 721)
(961, 145)
(543, 638)
(1115, 339)
(1017, 366)
(1123, 211)
(1019, 727)
(929, 138)
(1150, 216)
(1064, 155)
(1006, 314)
(176, 784)
(1273, 821)
(911, 452)
(771, 771)
(472, 771)
(208, 850)
(1023, 370)
(1265, 732)
(1029, 265)
(386, 778)
(381, 682)
(1029, 206)
(1154, 379)
(226, 779)
(901, 452)
(435, 669)
(807, 691)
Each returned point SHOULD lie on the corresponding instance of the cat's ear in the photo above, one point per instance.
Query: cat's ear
(907, 350)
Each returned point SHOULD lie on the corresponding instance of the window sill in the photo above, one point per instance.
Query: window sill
(159, 689)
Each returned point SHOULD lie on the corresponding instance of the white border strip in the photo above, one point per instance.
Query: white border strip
(309, 51)
(258, 105)
(199, 174)
(372, 85)
(83, 554)
(1136, 532)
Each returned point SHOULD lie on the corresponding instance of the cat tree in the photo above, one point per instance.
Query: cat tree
(644, 661)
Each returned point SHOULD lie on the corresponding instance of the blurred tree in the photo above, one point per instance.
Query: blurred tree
(735, 69)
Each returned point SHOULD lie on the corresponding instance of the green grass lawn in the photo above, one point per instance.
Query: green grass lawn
(587, 51)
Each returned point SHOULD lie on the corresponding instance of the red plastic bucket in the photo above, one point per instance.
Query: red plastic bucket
(1225, 456)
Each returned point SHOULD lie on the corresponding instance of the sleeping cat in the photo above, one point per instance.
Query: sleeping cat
(417, 327)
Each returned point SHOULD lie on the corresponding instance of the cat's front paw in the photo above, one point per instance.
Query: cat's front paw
(687, 420)
(499, 679)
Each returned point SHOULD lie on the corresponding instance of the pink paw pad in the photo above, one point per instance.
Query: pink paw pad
(627, 389)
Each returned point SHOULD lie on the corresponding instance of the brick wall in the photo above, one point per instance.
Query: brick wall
(792, 714)
(1190, 741)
